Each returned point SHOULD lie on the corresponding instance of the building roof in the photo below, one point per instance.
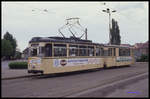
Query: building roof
(141, 45)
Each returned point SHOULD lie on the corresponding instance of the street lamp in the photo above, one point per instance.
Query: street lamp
(109, 12)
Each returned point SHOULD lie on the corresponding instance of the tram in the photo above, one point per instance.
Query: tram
(61, 54)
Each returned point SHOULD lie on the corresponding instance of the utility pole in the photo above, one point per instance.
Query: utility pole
(86, 33)
(109, 12)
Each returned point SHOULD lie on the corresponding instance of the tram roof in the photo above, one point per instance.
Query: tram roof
(121, 46)
(62, 39)
(70, 40)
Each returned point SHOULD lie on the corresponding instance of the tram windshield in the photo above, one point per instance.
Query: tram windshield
(40, 51)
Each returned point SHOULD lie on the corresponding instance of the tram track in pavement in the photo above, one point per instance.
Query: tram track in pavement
(110, 84)
(79, 91)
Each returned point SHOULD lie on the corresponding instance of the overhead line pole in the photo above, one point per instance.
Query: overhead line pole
(109, 12)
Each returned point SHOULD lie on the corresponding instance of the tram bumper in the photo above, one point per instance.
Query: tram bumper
(35, 71)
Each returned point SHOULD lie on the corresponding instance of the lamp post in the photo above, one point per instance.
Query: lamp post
(109, 12)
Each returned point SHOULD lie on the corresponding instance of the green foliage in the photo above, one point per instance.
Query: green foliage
(18, 65)
(6, 48)
(18, 55)
(143, 58)
(115, 33)
(12, 40)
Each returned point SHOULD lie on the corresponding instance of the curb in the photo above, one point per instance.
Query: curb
(9, 78)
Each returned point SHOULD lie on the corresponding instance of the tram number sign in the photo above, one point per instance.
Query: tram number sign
(75, 62)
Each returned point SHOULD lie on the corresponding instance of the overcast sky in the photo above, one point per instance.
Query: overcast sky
(25, 20)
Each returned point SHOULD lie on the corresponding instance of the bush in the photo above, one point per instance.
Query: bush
(143, 58)
(18, 65)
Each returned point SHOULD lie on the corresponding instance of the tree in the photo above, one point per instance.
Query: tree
(12, 40)
(7, 49)
(115, 33)
(18, 55)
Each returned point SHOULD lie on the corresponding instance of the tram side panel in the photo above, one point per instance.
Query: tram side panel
(72, 64)
(35, 65)
(109, 61)
(124, 60)
(121, 61)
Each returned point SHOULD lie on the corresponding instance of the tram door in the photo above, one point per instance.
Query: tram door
(48, 50)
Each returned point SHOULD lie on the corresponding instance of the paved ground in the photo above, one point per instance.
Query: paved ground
(6, 62)
(64, 85)
(138, 89)
(12, 73)
(136, 86)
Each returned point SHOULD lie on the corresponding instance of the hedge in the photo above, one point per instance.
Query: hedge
(18, 65)
(143, 58)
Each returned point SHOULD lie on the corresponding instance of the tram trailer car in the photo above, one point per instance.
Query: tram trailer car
(58, 54)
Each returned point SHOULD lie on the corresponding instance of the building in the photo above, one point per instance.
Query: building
(25, 53)
(141, 49)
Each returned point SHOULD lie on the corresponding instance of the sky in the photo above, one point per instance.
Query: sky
(25, 20)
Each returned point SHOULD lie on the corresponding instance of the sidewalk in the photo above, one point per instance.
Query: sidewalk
(7, 73)
(14, 73)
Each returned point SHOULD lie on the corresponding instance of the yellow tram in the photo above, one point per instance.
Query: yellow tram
(60, 54)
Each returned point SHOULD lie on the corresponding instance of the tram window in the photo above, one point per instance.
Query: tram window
(110, 52)
(90, 50)
(102, 52)
(124, 52)
(129, 52)
(114, 51)
(98, 51)
(41, 51)
(34, 45)
(82, 50)
(48, 50)
(34, 52)
(105, 53)
(60, 50)
(73, 50)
